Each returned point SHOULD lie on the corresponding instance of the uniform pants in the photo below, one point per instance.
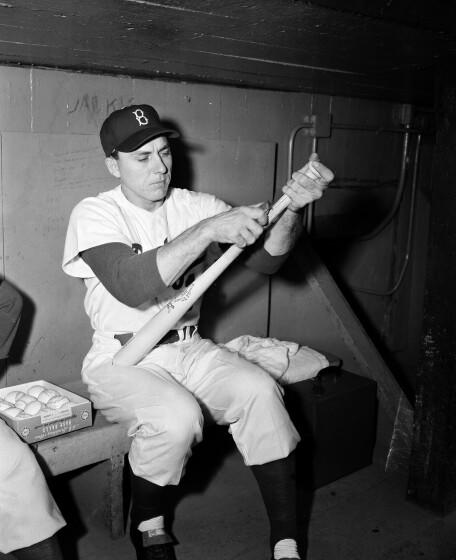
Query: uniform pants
(161, 401)
(28, 512)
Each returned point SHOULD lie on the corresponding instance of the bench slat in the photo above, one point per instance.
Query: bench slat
(80, 448)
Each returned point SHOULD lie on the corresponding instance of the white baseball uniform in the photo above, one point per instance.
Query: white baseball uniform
(28, 512)
(160, 399)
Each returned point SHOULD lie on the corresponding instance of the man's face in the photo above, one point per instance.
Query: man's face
(145, 174)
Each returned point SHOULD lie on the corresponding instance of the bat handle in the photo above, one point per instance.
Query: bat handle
(280, 205)
(277, 208)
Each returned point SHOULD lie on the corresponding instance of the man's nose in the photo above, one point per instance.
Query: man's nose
(157, 165)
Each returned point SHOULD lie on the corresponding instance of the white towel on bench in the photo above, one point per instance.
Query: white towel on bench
(287, 362)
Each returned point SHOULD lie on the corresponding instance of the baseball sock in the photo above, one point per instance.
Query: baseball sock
(49, 549)
(149, 504)
(277, 483)
(286, 548)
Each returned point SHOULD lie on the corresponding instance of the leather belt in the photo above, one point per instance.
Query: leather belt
(169, 338)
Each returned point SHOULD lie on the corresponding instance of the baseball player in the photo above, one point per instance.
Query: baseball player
(135, 246)
(29, 516)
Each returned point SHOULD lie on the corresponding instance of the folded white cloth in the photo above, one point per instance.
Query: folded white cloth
(287, 362)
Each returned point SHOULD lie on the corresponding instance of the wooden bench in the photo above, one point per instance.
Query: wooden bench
(103, 441)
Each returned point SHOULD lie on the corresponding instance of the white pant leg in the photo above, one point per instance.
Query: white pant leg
(28, 512)
(238, 393)
(163, 417)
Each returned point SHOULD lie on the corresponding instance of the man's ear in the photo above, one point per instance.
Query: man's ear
(113, 166)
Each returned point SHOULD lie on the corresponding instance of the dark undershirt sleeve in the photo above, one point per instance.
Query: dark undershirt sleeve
(258, 259)
(130, 278)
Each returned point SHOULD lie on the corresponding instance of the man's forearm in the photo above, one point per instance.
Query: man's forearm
(135, 278)
(283, 235)
(174, 258)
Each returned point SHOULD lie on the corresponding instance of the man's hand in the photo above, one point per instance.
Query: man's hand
(308, 184)
(241, 226)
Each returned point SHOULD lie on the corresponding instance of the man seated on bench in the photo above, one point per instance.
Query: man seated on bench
(29, 516)
(135, 246)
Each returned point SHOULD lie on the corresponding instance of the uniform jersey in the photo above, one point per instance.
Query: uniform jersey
(159, 398)
(110, 218)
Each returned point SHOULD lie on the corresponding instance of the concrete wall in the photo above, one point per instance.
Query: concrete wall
(237, 144)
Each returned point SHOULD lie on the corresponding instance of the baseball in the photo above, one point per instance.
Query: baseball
(35, 390)
(4, 405)
(57, 402)
(26, 399)
(33, 408)
(20, 404)
(12, 412)
(46, 395)
(14, 396)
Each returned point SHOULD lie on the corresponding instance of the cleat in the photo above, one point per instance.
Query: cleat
(156, 552)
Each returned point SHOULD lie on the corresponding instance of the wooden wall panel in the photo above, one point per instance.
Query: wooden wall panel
(432, 481)
(15, 99)
(195, 110)
(240, 173)
(296, 316)
(44, 176)
(63, 102)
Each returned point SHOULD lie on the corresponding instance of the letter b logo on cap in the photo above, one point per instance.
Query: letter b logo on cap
(141, 117)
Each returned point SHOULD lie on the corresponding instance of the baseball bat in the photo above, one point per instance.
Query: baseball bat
(156, 328)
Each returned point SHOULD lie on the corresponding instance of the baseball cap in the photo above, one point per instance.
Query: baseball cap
(130, 127)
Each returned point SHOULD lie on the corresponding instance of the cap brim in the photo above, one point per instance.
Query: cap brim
(142, 136)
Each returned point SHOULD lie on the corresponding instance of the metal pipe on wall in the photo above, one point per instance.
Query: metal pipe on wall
(291, 143)
(399, 193)
(411, 223)
(309, 216)
(310, 211)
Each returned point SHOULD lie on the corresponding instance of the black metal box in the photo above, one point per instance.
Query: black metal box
(335, 414)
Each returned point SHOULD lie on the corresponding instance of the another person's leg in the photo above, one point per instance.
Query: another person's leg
(239, 393)
(164, 421)
(29, 516)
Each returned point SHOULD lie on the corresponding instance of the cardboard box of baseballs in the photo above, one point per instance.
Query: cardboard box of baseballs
(39, 410)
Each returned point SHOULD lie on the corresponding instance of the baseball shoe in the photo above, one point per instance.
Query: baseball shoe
(153, 545)
(157, 552)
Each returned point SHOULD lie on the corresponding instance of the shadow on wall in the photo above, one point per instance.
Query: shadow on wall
(20, 341)
(182, 173)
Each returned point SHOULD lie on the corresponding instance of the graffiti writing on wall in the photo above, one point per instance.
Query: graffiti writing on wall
(95, 107)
